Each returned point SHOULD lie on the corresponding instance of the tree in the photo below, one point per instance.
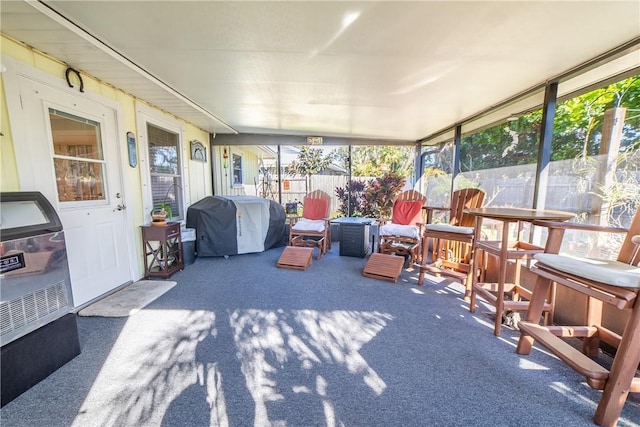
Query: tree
(380, 194)
(352, 198)
(376, 160)
(582, 135)
(373, 198)
(578, 121)
(310, 161)
(577, 130)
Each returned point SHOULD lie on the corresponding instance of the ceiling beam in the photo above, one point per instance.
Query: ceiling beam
(260, 139)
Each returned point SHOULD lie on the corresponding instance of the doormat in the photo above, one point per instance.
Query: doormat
(129, 300)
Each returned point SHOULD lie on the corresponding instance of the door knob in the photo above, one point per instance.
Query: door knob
(121, 207)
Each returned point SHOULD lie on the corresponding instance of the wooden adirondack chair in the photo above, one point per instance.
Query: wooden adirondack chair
(451, 243)
(602, 281)
(402, 235)
(313, 228)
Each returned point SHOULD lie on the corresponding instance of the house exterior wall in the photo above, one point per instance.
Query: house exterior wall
(8, 166)
(222, 176)
(197, 173)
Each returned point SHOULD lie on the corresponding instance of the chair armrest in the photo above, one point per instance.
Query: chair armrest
(431, 209)
(577, 226)
(557, 229)
(293, 219)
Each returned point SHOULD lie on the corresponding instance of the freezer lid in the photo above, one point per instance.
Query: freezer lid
(26, 213)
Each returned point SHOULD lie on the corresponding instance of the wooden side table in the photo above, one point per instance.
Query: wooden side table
(162, 247)
(518, 251)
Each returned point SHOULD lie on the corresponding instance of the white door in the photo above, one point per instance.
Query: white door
(74, 154)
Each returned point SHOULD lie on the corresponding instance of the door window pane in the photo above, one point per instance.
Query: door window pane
(78, 157)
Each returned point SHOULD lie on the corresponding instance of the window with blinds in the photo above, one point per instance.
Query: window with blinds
(237, 169)
(165, 170)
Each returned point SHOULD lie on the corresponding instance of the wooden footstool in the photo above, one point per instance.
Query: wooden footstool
(295, 258)
(384, 267)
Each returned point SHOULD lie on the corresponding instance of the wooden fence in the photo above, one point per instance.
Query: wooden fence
(508, 186)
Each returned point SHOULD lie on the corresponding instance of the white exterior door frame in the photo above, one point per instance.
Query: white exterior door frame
(29, 160)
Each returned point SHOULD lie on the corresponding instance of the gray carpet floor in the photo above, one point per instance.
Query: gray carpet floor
(240, 342)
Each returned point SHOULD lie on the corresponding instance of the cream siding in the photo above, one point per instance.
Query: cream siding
(198, 174)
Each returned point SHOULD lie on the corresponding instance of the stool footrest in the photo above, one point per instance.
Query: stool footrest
(440, 269)
(383, 266)
(596, 375)
(295, 258)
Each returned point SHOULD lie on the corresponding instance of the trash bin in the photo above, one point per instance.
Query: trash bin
(188, 236)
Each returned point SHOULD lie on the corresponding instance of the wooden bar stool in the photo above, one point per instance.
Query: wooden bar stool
(452, 242)
(604, 282)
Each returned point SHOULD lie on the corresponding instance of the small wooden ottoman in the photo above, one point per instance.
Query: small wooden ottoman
(383, 266)
(295, 258)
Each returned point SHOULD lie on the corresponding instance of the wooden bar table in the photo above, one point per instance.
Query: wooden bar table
(504, 250)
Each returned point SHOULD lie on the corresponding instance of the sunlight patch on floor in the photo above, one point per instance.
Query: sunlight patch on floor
(158, 351)
(273, 343)
(163, 357)
(528, 364)
(571, 394)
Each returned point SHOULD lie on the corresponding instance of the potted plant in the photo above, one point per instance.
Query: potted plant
(162, 212)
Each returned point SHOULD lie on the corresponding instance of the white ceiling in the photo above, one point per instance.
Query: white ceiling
(384, 70)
